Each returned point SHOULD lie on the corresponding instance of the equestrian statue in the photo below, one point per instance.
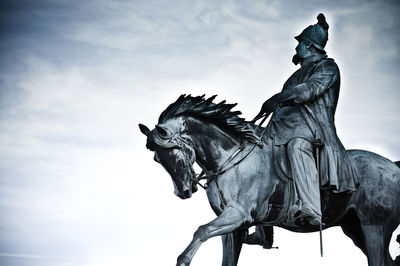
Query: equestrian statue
(294, 173)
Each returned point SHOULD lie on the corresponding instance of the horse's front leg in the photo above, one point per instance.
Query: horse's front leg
(229, 220)
(232, 245)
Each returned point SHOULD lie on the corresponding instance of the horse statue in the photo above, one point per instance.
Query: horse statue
(245, 185)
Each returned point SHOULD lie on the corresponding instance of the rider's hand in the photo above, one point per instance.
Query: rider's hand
(267, 108)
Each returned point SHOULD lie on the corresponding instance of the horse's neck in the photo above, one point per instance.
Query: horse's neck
(213, 146)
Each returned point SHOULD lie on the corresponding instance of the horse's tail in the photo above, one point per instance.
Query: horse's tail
(398, 163)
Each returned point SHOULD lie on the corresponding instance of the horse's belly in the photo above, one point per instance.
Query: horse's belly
(377, 199)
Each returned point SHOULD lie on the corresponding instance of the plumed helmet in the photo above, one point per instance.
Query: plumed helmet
(317, 34)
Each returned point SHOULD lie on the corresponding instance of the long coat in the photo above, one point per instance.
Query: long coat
(314, 90)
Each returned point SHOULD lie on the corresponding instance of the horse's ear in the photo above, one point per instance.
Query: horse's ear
(145, 130)
(162, 130)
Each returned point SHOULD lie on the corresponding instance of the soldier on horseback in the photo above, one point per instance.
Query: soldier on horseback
(279, 184)
(303, 112)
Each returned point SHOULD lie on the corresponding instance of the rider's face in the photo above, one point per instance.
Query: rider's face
(302, 50)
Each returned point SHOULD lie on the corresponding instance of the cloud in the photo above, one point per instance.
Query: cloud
(77, 78)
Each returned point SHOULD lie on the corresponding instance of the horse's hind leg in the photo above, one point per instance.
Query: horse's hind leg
(232, 245)
(373, 240)
(377, 245)
(388, 257)
(351, 227)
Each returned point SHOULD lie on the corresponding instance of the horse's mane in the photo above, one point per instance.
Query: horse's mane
(220, 114)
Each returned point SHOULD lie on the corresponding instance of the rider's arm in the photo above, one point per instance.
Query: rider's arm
(324, 76)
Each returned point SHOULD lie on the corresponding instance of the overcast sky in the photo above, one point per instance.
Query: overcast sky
(78, 187)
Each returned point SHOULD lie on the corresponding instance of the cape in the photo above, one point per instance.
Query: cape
(312, 117)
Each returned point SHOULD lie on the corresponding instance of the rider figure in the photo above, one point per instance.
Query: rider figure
(304, 112)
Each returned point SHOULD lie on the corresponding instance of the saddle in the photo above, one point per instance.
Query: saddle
(284, 196)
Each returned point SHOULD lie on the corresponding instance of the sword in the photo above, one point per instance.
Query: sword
(318, 144)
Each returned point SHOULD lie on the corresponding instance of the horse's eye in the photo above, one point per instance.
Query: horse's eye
(175, 152)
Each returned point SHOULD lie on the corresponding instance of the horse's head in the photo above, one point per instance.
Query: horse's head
(174, 151)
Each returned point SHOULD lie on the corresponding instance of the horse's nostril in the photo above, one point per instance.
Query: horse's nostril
(186, 193)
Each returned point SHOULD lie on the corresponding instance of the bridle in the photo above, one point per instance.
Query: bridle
(177, 141)
(225, 166)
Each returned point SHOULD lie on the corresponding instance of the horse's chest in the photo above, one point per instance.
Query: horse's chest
(215, 199)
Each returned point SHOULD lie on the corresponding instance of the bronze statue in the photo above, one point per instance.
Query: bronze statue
(249, 177)
(303, 113)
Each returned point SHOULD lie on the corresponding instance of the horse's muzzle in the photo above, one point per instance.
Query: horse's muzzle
(185, 194)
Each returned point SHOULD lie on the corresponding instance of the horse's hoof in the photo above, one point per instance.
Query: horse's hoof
(183, 261)
(253, 239)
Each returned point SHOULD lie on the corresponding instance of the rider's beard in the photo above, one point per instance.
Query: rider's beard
(297, 59)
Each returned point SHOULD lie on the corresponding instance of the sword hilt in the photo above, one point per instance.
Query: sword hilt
(318, 141)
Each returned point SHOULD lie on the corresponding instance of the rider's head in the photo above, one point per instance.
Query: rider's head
(312, 39)
(304, 49)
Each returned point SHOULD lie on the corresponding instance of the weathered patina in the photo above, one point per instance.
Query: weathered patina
(273, 179)
(194, 129)
(303, 113)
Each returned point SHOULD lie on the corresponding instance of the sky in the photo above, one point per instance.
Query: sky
(77, 185)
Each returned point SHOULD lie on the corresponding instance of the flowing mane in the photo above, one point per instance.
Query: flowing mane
(220, 114)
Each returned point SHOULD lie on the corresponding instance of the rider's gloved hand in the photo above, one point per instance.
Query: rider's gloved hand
(267, 108)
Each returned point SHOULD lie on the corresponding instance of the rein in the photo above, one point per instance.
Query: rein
(222, 168)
